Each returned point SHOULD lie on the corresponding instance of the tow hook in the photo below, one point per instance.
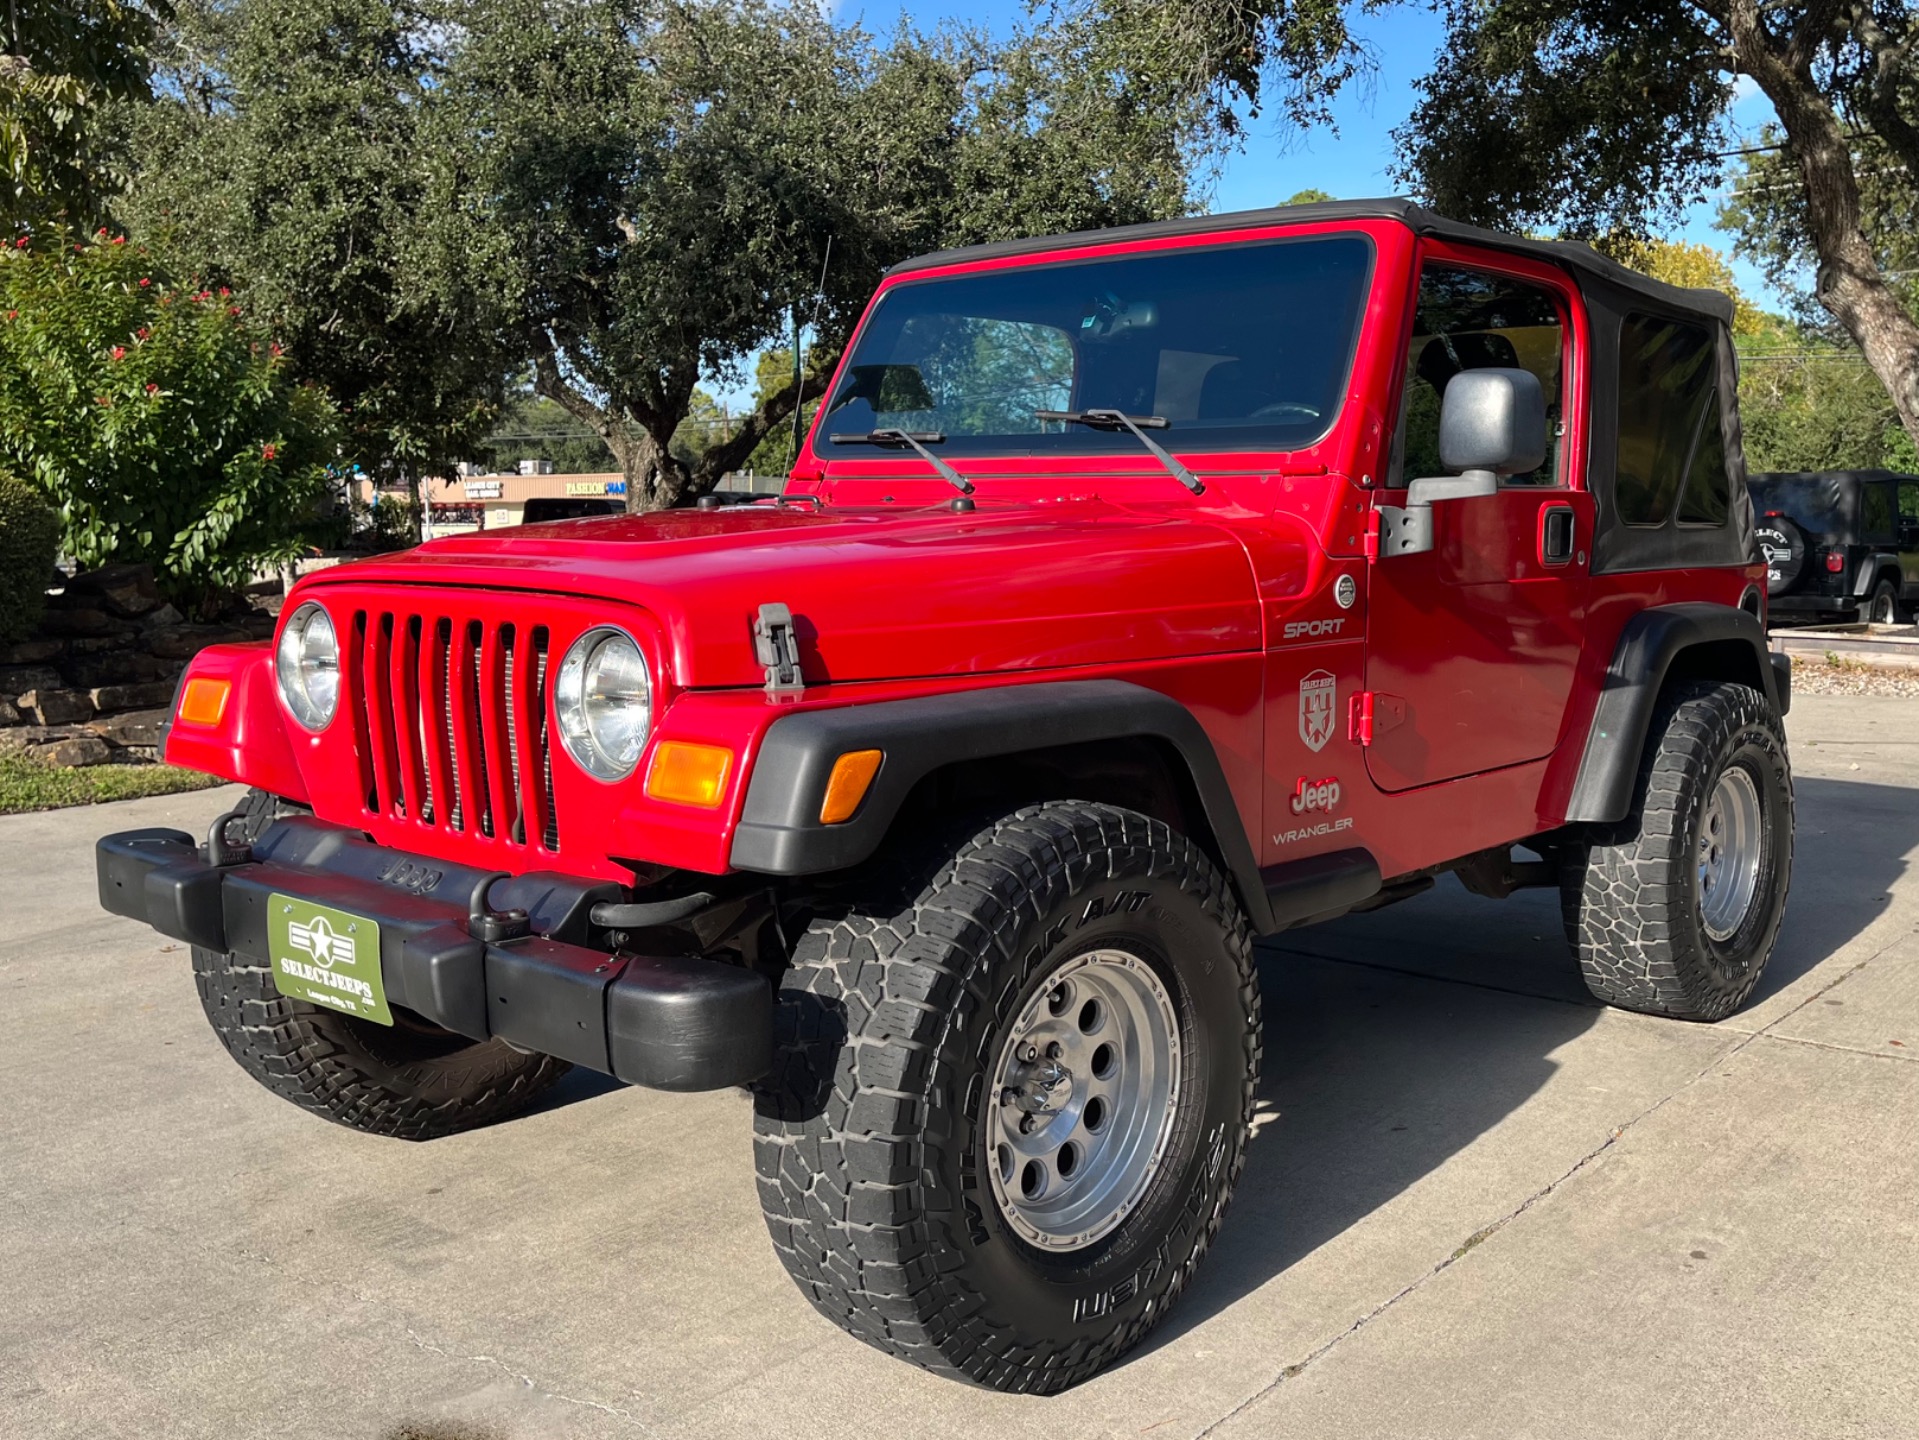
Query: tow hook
(220, 851)
(493, 926)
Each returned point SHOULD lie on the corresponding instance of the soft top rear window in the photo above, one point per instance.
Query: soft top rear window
(1238, 347)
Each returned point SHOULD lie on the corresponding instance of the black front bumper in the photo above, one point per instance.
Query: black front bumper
(669, 1022)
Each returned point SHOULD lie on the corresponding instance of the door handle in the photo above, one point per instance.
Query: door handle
(1557, 526)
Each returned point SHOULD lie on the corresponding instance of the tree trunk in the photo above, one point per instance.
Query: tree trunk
(1850, 284)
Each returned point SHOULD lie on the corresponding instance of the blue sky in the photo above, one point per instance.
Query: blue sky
(1351, 158)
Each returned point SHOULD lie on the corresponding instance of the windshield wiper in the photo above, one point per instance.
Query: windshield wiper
(919, 440)
(1119, 419)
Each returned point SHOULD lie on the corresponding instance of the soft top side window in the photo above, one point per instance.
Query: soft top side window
(1875, 512)
(1672, 444)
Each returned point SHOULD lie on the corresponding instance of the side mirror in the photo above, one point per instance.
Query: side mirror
(1492, 423)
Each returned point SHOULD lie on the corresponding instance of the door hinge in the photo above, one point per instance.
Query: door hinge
(1359, 718)
(1370, 714)
(1369, 543)
(778, 649)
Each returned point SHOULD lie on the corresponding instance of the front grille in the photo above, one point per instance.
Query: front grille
(450, 715)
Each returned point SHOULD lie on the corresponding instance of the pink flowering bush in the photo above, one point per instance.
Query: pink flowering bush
(161, 422)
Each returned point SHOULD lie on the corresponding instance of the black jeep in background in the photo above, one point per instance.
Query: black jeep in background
(1839, 544)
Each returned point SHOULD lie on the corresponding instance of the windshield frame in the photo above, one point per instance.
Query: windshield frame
(1081, 445)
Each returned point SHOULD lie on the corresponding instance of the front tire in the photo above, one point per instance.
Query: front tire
(411, 1080)
(1010, 1099)
(1675, 911)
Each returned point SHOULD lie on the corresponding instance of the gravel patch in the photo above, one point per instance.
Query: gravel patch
(1813, 677)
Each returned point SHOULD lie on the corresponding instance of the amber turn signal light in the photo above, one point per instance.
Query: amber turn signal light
(846, 786)
(689, 774)
(204, 701)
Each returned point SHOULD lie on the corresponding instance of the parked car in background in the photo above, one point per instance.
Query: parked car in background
(569, 507)
(1839, 544)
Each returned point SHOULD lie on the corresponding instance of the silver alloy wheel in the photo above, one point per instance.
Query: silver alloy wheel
(1731, 841)
(1083, 1100)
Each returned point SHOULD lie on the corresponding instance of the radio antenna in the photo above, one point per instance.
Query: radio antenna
(799, 354)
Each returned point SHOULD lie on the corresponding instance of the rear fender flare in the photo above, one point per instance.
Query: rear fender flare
(780, 831)
(1724, 643)
(1875, 568)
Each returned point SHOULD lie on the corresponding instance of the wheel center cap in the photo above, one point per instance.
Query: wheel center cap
(1041, 1087)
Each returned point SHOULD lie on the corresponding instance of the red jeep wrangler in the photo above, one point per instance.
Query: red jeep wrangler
(1138, 593)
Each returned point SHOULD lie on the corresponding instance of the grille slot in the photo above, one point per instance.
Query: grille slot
(450, 721)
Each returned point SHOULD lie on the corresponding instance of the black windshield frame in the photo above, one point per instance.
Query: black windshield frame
(1331, 350)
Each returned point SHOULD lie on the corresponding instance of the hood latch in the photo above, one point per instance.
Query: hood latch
(778, 649)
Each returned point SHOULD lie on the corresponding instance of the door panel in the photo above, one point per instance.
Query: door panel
(1471, 646)
(1477, 639)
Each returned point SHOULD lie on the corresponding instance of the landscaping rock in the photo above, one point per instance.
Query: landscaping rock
(57, 707)
(142, 696)
(136, 728)
(182, 642)
(119, 667)
(84, 621)
(31, 652)
(17, 680)
(125, 590)
(9, 713)
(79, 750)
(163, 618)
(98, 644)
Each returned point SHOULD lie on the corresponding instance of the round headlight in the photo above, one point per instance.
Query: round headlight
(603, 700)
(308, 667)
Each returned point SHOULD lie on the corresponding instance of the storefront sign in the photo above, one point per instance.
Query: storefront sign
(483, 490)
(588, 487)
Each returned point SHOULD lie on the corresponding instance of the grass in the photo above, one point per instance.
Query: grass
(27, 783)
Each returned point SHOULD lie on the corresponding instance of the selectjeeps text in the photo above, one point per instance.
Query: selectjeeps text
(1136, 593)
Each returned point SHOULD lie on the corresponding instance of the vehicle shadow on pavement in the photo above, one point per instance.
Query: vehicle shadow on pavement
(1373, 1079)
(1851, 847)
(1395, 1039)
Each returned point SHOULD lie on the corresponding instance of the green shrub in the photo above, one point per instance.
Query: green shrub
(160, 420)
(29, 543)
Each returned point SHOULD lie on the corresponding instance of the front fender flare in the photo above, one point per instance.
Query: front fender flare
(1651, 643)
(780, 831)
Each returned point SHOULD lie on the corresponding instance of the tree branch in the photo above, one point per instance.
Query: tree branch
(772, 411)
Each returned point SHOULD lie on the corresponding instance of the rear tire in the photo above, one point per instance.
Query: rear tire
(1020, 1228)
(411, 1080)
(1884, 608)
(1674, 912)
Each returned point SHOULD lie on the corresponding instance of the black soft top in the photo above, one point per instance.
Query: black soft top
(1579, 258)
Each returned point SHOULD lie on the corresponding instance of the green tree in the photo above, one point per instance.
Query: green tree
(160, 420)
(287, 163)
(1308, 197)
(652, 193)
(1598, 116)
(64, 61)
(1694, 265)
(532, 427)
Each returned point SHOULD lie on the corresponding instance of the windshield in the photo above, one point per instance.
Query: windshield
(1241, 347)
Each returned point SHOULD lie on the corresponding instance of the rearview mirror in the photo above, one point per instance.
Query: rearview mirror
(887, 389)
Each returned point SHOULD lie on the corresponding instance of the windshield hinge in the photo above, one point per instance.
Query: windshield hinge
(778, 649)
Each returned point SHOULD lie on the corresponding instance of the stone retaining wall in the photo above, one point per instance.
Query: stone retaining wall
(94, 684)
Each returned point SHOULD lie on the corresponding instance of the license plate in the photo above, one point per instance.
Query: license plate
(327, 957)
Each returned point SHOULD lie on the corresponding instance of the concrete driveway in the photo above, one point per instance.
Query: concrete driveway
(1478, 1205)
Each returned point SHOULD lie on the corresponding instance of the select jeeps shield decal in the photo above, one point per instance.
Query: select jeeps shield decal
(1316, 694)
(326, 957)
